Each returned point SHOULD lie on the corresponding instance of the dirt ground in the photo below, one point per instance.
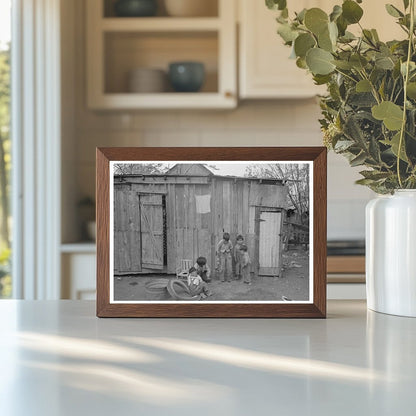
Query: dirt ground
(294, 284)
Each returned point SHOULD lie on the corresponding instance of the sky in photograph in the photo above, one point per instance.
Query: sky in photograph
(5, 20)
(235, 169)
(220, 169)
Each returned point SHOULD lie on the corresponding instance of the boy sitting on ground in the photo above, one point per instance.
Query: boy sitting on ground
(196, 285)
(202, 269)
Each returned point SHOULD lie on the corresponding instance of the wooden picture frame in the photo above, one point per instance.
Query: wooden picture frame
(106, 180)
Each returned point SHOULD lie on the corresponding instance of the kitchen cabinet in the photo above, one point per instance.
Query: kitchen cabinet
(346, 276)
(265, 69)
(118, 45)
(78, 263)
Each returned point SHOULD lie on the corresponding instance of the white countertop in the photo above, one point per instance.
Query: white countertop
(57, 358)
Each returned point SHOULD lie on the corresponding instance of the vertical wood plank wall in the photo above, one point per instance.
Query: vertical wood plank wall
(190, 234)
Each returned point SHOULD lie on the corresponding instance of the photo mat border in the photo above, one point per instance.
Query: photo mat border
(310, 277)
(315, 307)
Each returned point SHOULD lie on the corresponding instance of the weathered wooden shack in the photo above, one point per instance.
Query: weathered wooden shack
(161, 219)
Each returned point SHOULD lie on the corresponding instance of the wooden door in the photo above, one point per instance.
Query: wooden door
(127, 244)
(269, 243)
(152, 235)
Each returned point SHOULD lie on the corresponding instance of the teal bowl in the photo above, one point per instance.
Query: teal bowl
(135, 8)
(186, 76)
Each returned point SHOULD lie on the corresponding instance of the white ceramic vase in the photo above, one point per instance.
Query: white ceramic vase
(391, 253)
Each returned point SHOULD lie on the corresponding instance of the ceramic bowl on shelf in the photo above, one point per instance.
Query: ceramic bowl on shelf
(135, 8)
(191, 8)
(186, 76)
(147, 81)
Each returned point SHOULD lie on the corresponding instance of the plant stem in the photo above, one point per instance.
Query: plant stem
(406, 80)
(346, 75)
(373, 88)
(392, 91)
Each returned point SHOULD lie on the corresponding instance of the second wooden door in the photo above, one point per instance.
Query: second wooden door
(269, 243)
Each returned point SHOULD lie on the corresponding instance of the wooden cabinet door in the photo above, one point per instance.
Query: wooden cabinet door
(264, 65)
(265, 69)
(152, 236)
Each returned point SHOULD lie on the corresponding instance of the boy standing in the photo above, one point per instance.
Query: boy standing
(245, 265)
(224, 250)
(202, 269)
(238, 256)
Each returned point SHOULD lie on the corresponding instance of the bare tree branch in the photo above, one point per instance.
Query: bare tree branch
(296, 176)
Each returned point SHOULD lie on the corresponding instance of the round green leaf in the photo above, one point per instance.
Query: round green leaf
(395, 143)
(347, 37)
(351, 11)
(411, 90)
(391, 114)
(276, 4)
(358, 61)
(384, 62)
(328, 38)
(342, 25)
(319, 61)
(301, 15)
(344, 65)
(363, 86)
(322, 79)
(303, 43)
(336, 12)
(316, 20)
(301, 63)
(287, 33)
(333, 32)
(393, 11)
(375, 35)
(325, 42)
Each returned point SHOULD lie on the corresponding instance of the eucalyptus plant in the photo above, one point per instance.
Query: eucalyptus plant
(369, 111)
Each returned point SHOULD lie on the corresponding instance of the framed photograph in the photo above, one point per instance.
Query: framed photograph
(211, 232)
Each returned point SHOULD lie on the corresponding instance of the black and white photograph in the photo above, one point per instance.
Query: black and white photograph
(211, 232)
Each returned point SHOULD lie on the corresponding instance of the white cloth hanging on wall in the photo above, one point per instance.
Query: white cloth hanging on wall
(203, 203)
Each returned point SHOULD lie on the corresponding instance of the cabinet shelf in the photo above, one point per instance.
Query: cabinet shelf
(160, 24)
(80, 247)
(198, 100)
(117, 45)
